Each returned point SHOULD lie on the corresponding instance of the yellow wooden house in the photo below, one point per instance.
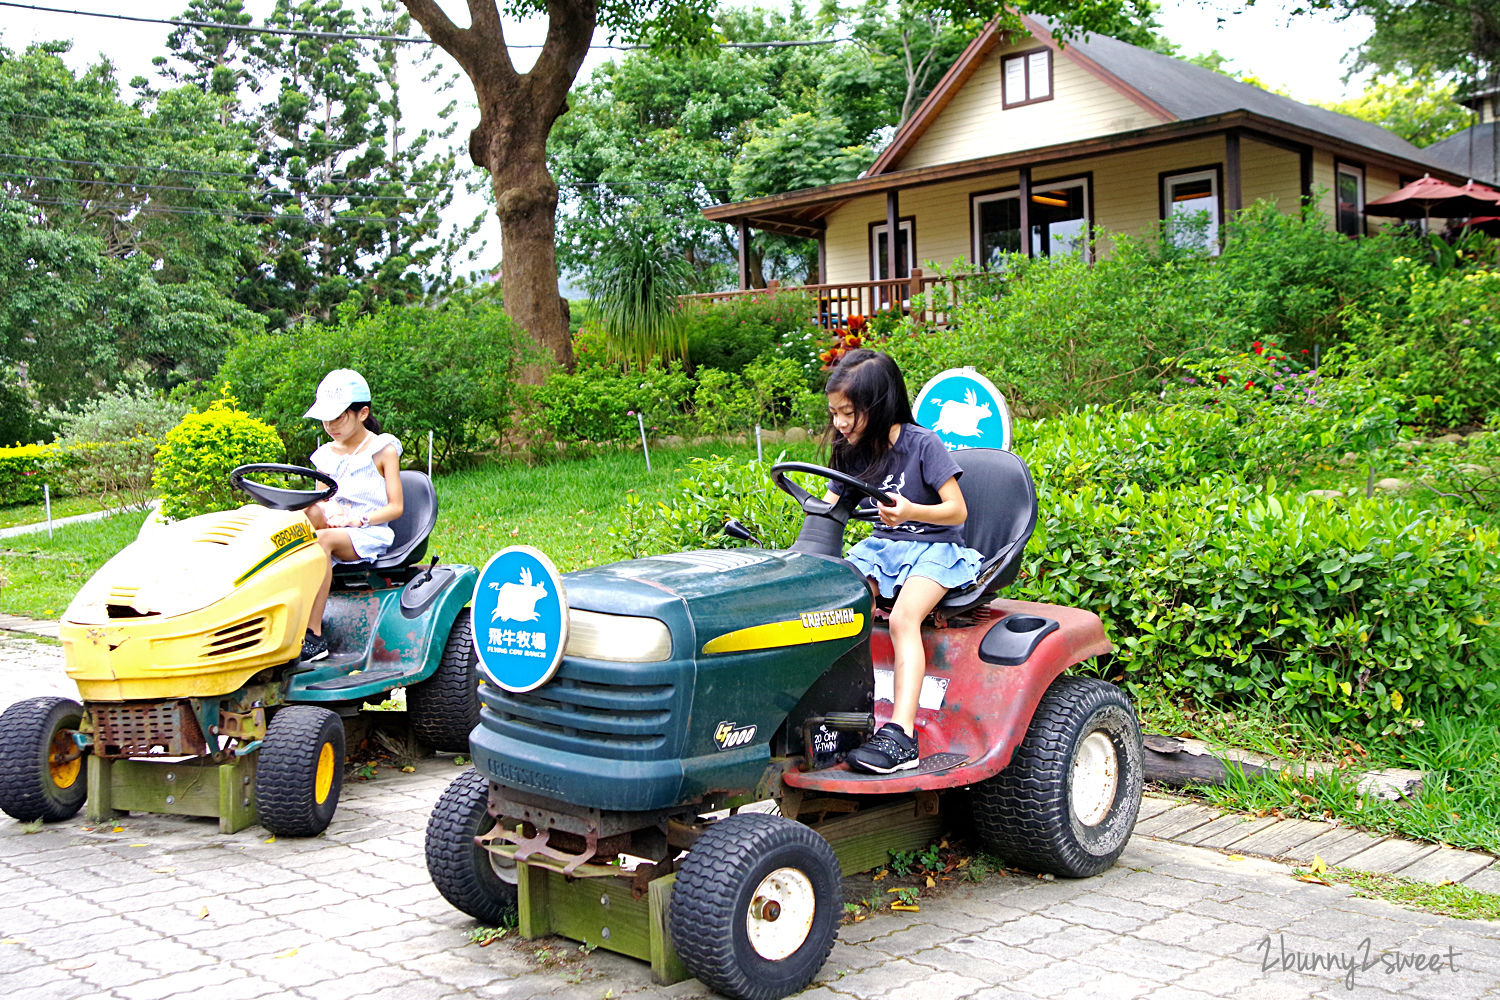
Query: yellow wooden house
(1028, 144)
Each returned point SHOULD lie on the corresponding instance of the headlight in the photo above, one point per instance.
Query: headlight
(627, 639)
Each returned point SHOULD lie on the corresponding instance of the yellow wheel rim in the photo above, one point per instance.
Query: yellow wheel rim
(323, 783)
(63, 760)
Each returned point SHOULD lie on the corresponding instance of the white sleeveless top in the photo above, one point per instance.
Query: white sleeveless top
(361, 490)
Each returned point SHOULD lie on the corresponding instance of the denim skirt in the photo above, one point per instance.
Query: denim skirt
(890, 561)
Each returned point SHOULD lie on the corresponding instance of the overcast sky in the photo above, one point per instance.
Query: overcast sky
(1302, 56)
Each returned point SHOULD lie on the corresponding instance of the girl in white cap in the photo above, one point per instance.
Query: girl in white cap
(354, 524)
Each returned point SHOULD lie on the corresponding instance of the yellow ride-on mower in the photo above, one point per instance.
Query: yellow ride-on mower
(186, 650)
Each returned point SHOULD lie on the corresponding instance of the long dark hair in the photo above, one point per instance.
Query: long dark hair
(371, 424)
(872, 383)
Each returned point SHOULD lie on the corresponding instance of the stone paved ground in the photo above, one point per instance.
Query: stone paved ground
(165, 907)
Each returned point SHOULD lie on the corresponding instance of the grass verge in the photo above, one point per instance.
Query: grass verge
(1448, 900)
(35, 513)
(1458, 754)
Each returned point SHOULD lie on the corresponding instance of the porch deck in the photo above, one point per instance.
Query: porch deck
(933, 295)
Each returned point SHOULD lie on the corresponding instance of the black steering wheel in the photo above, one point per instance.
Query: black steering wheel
(279, 498)
(817, 506)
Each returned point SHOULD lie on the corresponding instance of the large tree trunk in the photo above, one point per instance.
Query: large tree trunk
(516, 112)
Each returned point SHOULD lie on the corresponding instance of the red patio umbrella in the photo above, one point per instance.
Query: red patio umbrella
(1428, 196)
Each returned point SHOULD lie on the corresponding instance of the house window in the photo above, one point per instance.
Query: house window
(1027, 78)
(1349, 187)
(1059, 221)
(879, 235)
(1059, 217)
(1190, 208)
(997, 228)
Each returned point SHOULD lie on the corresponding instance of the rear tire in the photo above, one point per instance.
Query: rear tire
(444, 708)
(41, 768)
(1068, 800)
(756, 906)
(467, 875)
(301, 771)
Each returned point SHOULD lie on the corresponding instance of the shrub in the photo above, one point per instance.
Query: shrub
(1226, 415)
(1437, 336)
(449, 370)
(1366, 612)
(599, 402)
(112, 439)
(729, 335)
(1288, 277)
(23, 470)
(194, 462)
(1069, 333)
(769, 392)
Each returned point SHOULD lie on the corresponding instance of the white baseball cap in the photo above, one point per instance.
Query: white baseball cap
(339, 389)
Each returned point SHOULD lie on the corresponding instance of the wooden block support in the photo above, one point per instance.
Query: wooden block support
(603, 912)
(184, 787)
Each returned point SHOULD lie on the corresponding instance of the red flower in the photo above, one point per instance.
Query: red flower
(1249, 385)
(1256, 347)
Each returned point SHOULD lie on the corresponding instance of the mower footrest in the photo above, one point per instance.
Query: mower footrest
(360, 679)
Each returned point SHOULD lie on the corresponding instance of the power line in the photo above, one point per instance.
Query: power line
(267, 193)
(175, 210)
(358, 36)
(685, 183)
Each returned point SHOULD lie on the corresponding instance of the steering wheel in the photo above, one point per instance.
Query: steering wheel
(817, 505)
(279, 498)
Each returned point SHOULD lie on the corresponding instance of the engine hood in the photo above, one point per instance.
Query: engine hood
(188, 565)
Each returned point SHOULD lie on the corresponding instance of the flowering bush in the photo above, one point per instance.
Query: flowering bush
(845, 339)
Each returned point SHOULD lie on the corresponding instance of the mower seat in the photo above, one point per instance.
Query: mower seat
(1002, 514)
(418, 515)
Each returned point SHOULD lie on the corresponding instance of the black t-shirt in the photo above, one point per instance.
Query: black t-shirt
(916, 467)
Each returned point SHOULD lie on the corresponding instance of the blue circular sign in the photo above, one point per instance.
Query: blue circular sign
(520, 619)
(965, 410)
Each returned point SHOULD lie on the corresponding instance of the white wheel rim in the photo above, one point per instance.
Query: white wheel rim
(1095, 778)
(781, 914)
(503, 866)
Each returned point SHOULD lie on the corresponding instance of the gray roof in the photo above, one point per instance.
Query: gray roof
(1189, 91)
(1470, 153)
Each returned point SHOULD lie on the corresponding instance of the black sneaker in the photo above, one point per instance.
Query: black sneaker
(890, 749)
(314, 647)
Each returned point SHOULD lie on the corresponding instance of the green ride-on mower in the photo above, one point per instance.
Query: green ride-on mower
(674, 787)
(186, 649)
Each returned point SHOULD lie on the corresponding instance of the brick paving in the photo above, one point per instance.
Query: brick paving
(157, 907)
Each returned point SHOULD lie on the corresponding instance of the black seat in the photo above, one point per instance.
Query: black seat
(1002, 514)
(418, 515)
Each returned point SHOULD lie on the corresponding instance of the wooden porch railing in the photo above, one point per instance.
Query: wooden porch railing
(835, 303)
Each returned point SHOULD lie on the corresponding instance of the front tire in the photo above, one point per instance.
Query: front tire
(756, 906)
(41, 768)
(1068, 800)
(301, 771)
(471, 878)
(444, 708)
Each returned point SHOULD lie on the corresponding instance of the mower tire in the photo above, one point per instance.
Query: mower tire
(41, 768)
(444, 708)
(301, 771)
(756, 906)
(471, 878)
(1068, 800)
